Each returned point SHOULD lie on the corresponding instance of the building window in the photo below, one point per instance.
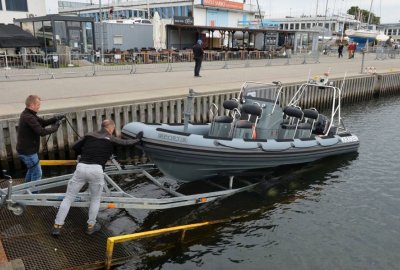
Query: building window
(389, 32)
(189, 11)
(1, 7)
(118, 40)
(17, 5)
(297, 26)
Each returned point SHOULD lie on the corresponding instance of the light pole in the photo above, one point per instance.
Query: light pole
(101, 34)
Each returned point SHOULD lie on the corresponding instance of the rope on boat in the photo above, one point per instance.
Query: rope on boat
(233, 147)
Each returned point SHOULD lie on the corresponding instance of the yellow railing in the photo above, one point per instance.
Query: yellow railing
(57, 162)
(128, 237)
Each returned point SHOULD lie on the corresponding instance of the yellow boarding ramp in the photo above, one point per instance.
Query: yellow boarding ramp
(57, 162)
(128, 237)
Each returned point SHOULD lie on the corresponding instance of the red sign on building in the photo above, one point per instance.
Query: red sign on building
(223, 4)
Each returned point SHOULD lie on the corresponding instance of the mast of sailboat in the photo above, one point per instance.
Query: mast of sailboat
(369, 14)
(323, 34)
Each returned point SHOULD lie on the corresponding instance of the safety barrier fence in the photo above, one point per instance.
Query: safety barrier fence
(354, 89)
(51, 66)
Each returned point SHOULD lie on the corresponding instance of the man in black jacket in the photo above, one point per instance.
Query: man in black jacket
(30, 128)
(95, 149)
(198, 57)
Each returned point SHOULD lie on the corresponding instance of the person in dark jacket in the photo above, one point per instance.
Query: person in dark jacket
(95, 149)
(340, 50)
(30, 128)
(198, 57)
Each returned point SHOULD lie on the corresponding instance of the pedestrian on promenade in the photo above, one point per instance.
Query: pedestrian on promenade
(30, 128)
(198, 57)
(351, 49)
(340, 50)
(95, 149)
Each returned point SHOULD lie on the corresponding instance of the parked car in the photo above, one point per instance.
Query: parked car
(142, 21)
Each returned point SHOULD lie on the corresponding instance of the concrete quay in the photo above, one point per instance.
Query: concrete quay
(72, 94)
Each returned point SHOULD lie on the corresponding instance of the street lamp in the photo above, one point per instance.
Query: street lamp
(101, 34)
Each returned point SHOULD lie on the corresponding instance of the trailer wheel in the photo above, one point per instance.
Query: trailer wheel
(17, 209)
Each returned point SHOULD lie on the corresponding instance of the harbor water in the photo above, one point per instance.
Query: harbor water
(338, 213)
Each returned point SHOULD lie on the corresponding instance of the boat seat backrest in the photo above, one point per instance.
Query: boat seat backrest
(230, 104)
(223, 119)
(250, 112)
(311, 115)
(295, 114)
(222, 125)
(293, 117)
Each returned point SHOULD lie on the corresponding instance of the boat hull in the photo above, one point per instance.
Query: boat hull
(190, 164)
(188, 157)
(361, 36)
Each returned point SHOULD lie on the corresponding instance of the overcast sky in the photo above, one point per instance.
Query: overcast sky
(388, 10)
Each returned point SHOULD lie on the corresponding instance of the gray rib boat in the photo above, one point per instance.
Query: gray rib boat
(254, 132)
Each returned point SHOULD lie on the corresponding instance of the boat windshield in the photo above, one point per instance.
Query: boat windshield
(261, 91)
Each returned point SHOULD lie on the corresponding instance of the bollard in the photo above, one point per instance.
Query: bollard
(362, 60)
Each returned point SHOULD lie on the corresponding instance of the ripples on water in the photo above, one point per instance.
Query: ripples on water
(339, 213)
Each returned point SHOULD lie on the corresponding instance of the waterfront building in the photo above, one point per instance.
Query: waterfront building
(221, 24)
(18, 9)
(220, 13)
(330, 26)
(61, 34)
(391, 29)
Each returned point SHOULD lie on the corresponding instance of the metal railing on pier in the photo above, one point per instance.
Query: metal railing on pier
(52, 66)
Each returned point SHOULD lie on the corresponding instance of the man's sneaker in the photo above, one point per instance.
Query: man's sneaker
(56, 231)
(91, 229)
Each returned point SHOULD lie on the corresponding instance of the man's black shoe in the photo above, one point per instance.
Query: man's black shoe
(93, 228)
(56, 232)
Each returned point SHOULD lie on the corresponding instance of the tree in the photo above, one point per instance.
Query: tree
(362, 15)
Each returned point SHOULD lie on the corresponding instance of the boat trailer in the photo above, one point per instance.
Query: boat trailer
(15, 198)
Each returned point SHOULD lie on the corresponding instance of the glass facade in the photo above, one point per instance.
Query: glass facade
(53, 35)
(164, 12)
(16, 5)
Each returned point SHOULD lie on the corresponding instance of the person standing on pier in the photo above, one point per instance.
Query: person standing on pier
(95, 149)
(350, 49)
(198, 57)
(340, 50)
(30, 128)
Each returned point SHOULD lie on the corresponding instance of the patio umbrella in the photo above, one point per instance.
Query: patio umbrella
(157, 32)
(382, 37)
(163, 35)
